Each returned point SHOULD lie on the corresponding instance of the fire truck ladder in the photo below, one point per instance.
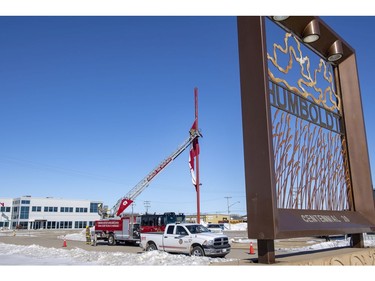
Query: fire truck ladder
(141, 186)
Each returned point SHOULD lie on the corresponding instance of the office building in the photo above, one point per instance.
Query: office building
(27, 212)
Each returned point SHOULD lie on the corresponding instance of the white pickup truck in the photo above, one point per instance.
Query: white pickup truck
(187, 238)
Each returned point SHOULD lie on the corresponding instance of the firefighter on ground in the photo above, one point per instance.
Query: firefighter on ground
(88, 235)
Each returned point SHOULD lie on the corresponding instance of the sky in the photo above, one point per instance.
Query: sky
(89, 105)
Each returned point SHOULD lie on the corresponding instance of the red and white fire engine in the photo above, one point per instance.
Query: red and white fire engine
(127, 229)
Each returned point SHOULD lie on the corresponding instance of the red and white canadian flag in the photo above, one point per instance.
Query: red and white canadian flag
(194, 152)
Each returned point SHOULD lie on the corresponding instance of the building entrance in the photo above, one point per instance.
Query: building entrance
(38, 224)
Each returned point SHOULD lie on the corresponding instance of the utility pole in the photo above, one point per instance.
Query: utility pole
(229, 207)
(147, 205)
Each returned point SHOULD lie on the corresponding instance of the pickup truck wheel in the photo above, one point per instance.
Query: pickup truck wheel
(111, 240)
(151, 247)
(197, 251)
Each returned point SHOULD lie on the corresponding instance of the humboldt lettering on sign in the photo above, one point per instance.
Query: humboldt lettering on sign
(301, 107)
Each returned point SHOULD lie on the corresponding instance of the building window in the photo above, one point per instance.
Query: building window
(94, 207)
(15, 213)
(66, 209)
(5, 209)
(66, 224)
(24, 212)
(25, 202)
(80, 224)
(36, 208)
(22, 225)
(50, 209)
(81, 210)
(51, 224)
(4, 224)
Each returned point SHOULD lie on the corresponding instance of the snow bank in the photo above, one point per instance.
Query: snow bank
(79, 236)
(236, 226)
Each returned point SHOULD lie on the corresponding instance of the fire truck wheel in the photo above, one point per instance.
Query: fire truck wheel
(197, 251)
(111, 240)
(151, 247)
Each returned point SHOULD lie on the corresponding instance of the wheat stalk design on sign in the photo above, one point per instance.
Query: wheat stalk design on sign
(311, 165)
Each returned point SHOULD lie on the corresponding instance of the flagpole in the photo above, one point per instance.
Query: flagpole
(197, 158)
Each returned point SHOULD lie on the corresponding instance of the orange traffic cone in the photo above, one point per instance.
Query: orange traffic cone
(252, 252)
(64, 244)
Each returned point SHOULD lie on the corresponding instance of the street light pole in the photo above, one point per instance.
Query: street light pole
(229, 209)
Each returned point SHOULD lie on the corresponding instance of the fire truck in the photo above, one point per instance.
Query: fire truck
(114, 227)
(127, 229)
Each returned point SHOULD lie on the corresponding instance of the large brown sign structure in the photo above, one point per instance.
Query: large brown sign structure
(307, 167)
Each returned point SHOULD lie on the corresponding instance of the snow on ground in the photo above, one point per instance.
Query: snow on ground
(77, 263)
(236, 226)
(37, 255)
(79, 236)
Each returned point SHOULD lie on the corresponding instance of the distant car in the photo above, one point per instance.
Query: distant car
(215, 228)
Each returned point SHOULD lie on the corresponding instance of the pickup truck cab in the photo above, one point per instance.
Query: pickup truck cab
(187, 238)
